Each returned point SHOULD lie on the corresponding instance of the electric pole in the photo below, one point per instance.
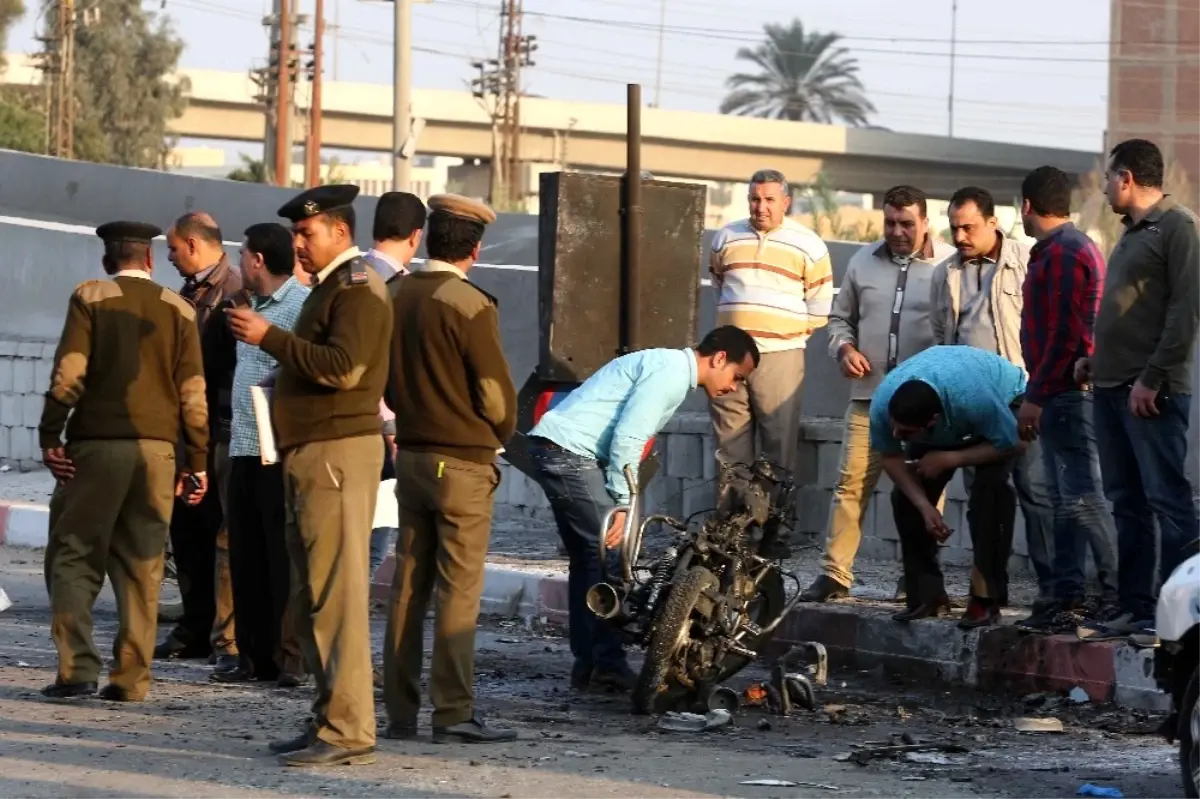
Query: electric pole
(402, 97)
(58, 75)
(312, 163)
(283, 95)
(953, 43)
(516, 51)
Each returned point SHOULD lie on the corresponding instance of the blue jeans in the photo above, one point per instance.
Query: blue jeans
(1081, 517)
(382, 539)
(574, 485)
(1143, 465)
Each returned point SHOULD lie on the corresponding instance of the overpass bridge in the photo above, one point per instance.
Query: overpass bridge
(676, 144)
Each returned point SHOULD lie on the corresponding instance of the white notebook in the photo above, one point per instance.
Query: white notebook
(261, 398)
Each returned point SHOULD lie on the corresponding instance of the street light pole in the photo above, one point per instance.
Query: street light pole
(953, 44)
(402, 96)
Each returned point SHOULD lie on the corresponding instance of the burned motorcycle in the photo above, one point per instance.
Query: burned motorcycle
(705, 607)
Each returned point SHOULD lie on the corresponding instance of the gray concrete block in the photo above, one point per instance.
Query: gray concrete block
(43, 370)
(685, 456)
(670, 499)
(31, 410)
(952, 513)
(956, 556)
(10, 410)
(37, 450)
(8, 348)
(829, 456)
(21, 444)
(698, 495)
(28, 465)
(6, 374)
(1020, 539)
(5, 443)
(29, 349)
(23, 377)
(689, 422)
(812, 510)
(49, 351)
(879, 549)
(708, 456)
(883, 519)
(884, 486)
(956, 489)
(806, 463)
(822, 428)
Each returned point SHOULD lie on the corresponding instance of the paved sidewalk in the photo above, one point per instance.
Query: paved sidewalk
(526, 577)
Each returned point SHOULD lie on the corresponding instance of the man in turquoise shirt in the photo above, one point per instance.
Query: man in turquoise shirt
(944, 409)
(581, 447)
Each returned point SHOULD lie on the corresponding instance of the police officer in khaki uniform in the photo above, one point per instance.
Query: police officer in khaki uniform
(127, 370)
(332, 370)
(455, 408)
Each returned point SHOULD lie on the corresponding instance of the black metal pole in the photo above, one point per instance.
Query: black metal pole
(631, 277)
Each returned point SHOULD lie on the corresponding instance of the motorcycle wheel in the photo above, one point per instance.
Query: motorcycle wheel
(771, 601)
(655, 682)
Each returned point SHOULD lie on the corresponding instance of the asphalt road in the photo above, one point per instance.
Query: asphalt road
(192, 738)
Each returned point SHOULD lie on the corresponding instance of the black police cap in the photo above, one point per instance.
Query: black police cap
(318, 200)
(137, 232)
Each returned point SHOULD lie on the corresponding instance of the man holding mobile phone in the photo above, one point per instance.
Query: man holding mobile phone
(945, 409)
(1142, 370)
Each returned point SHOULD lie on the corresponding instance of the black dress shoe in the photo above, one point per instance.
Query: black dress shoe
(69, 690)
(400, 732)
(301, 741)
(289, 680)
(823, 589)
(113, 693)
(172, 650)
(979, 613)
(326, 754)
(473, 731)
(236, 675)
(927, 610)
(619, 678)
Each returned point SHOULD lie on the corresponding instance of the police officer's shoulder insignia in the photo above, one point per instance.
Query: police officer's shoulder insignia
(464, 297)
(357, 274)
(93, 291)
(179, 303)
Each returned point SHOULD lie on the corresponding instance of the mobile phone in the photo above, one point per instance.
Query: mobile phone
(193, 483)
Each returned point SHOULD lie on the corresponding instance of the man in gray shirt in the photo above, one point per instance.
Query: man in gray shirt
(1143, 372)
(976, 301)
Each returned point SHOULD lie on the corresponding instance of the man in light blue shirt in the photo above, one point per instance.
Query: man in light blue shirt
(257, 552)
(581, 447)
(948, 408)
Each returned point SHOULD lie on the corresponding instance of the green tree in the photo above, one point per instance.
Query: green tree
(21, 121)
(124, 88)
(801, 76)
(252, 170)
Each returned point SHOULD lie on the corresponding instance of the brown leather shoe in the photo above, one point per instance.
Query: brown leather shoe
(326, 754)
(927, 610)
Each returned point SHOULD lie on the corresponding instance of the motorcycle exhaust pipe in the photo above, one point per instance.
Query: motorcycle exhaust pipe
(605, 601)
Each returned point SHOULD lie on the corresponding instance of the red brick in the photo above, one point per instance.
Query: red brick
(1006, 659)
(1139, 94)
(1143, 27)
(1187, 95)
(1188, 27)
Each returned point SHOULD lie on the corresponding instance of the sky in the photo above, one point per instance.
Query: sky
(1026, 71)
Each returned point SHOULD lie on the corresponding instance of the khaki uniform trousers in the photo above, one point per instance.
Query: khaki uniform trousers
(330, 489)
(445, 509)
(766, 408)
(112, 517)
(859, 470)
(224, 635)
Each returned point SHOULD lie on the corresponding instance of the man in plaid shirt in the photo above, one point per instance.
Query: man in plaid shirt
(1062, 293)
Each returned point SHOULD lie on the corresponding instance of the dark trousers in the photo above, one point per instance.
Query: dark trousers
(258, 560)
(194, 531)
(1143, 465)
(991, 515)
(1082, 520)
(575, 487)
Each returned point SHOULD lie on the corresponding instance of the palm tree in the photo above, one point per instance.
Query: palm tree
(802, 76)
(252, 170)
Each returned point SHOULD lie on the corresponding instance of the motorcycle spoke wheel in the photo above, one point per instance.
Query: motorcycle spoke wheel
(656, 684)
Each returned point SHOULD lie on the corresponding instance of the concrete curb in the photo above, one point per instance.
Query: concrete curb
(859, 636)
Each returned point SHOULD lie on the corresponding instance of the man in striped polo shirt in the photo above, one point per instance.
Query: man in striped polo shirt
(775, 281)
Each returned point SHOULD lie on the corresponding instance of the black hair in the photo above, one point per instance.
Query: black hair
(451, 238)
(121, 253)
(903, 196)
(1048, 190)
(973, 194)
(198, 225)
(1142, 159)
(343, 214)
(398, 215)
(733, 341)
(274, 243)
(914, 404)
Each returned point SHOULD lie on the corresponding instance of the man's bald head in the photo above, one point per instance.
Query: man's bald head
(194, 243)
